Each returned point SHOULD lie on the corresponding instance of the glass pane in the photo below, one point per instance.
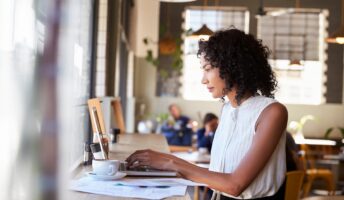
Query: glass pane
(296, 36)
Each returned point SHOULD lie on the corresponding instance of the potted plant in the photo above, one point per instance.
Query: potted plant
(296, 127)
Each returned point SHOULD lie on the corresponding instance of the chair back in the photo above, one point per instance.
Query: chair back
(293, 185)
(118, 114)
(95, 104)
(308, 156)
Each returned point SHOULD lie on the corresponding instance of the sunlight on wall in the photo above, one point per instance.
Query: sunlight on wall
(17, 120)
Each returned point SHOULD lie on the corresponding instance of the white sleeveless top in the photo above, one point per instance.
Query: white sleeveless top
(233, 139)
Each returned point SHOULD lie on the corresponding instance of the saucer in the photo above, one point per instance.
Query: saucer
(118, 175)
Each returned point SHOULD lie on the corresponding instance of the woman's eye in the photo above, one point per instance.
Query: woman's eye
(206, 68)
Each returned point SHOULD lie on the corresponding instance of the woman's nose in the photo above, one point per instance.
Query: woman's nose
(204, 80)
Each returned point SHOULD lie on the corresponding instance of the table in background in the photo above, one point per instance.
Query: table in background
(199, 159)
(127, 144)
(324, 198)
(194, 157)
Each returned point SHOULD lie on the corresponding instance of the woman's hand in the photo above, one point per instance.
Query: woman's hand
(208, 129)
(152, 159)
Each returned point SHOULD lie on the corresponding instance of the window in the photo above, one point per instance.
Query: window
(100, 86)
(33, 120)
(297, 36)
(215, 19)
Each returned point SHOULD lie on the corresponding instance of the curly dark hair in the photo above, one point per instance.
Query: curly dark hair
(242, 61)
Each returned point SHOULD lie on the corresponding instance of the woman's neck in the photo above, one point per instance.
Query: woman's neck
(231, 97)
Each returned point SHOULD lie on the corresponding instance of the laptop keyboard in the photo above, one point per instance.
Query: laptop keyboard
(146, 171)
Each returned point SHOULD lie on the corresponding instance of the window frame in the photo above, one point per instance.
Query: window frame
(288, 71)
(203, 94)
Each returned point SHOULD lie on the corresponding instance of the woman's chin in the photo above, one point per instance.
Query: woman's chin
(216, 96)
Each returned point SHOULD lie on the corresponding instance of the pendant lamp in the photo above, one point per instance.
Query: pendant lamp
(204, 32)
(295, 64)
(167, 44)
(338, 36)
(261, 12)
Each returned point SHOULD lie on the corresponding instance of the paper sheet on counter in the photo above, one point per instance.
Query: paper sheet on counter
(157, 182)
(112, 188)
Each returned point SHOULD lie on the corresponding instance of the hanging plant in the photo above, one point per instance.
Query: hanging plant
(149, 55)
(168, 46)
(177, 63)
(154, 61)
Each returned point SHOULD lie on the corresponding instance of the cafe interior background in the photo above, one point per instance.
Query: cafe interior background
(56, 54)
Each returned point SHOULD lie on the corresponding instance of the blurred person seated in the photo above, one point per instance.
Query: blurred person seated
(178, 128)
(206, 134)
(292, 154)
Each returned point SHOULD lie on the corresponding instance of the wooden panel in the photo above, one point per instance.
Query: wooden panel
(117, 110)
(95, 103)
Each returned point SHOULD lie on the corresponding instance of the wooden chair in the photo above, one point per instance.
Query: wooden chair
(118, 114)
(293, 184)
(95, 103)
(313, 173)
(98, 125)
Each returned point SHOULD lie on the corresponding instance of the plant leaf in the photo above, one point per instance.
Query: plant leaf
(305, 118)
(163, 73)
(188, 32)
(155, 62)
(341, 131)
(327, 133)
(162, 30)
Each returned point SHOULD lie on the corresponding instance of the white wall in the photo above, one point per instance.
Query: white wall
(144, 24)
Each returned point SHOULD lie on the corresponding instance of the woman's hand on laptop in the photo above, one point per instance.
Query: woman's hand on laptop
(151, 159)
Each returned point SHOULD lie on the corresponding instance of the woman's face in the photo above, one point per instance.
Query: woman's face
(211, 78)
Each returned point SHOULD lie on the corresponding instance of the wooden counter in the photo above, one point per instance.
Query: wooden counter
(126, 145)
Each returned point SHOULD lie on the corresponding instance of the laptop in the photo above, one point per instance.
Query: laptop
(146, 171)
(142, 171)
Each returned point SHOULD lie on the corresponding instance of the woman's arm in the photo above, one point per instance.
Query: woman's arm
(270, 126)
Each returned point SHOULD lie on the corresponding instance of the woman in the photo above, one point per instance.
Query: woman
(205, 135)
(248, 152)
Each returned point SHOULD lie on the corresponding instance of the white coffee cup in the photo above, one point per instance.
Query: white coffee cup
(203, 150)
(105, 167)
